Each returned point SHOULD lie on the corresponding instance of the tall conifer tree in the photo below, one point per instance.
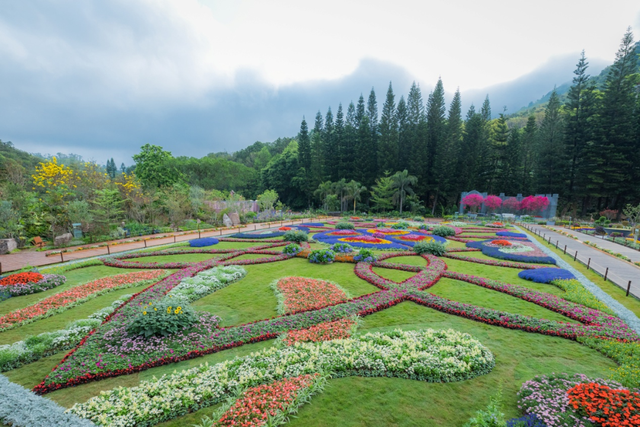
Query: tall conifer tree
(404, 142)
(550, 159)
(388, 142)
(436, 135)
(338, 143)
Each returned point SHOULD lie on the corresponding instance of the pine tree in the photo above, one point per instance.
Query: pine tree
(417, 138)
(404, 142)
(469, 165)
(111, 168)
(330, 150)
(450, 150)
(317, 153)
(348, 160)
(528, 149)
(497, 153)
(579, 132)
(338, 143)
(304, 159)
(615, 135)
(436, 135)
(485, 111)
(366, 154)
(509, 180)
(550, 154)
(388, 142)
(360, 112)
(372, 114)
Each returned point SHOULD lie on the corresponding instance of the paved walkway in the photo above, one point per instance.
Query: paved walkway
(20, 260)
(619, 273)
(607, 244)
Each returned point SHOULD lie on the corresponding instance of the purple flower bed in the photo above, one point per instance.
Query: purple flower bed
(546, 275)
(258, 236)
(205, 241)
(529, 420)
(326, 237)
(312, 224)
(411, 243)
(510, 234)
(510, 264)
(48, 281)
(546, 397)
(495, 252)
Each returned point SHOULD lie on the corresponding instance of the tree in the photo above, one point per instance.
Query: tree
(497, 152)
(107, 208)
(347, 152)
(450, 150)
(316, 171)
(353, 192)
(372, 115)
(404, 141)
(331, 157)
(436, 135)
(527, 150)
(304, 159)
(267, 200)
(615, 134)
(112, 169)
(579, 130)
(551, 156)
(153, 167)
(417, 124)
(323, 191)
(402, 182)
(382, 193)
(472, 140)
(339, 145)
(388, 139)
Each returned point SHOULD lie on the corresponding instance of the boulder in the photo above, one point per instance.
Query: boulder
(63, 239)
(7, 245)
(235, 218)
(227, 221)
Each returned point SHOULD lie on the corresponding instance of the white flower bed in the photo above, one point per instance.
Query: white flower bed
(435, 356)
(206, 282)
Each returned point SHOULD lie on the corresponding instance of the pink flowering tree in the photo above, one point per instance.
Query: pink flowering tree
(472, 201)
(493, 202)
(535, 204)
(511, 204)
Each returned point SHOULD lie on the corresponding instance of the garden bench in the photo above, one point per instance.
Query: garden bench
(37, 241)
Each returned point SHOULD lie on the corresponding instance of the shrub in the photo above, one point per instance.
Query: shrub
(365, 255)
(418, 218)
(400, 226)
(345, 226)
(381, 225)
(167, 317)
(322, 256)
(443, 231)
(292, 249)
(545, 275)
(491, 417)
(205, 241)
(296, 236)
(431, 248)
(342, 248)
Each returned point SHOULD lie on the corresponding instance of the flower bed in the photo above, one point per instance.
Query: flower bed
(496, 263)
(434, 356)
(48, 281)
(205, 241)
(606, 406)
(297, 294)
(72, 297)
(258, 405)
(359, 240)
(535, 256)
(546, 275)
(21, 279)
(327, 331)
(546, 397)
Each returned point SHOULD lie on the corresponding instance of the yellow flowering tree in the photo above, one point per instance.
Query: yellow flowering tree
(56, 181)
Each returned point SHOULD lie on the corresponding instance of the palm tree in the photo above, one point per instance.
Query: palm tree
(338, 189)
(354, 190)
(402, 182)
(324, 190)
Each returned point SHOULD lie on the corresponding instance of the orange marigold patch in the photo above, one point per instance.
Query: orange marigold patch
(605, 406)
(14, 279)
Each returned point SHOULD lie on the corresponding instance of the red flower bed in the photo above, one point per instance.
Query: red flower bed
(71, 296)
(322, 332)
(501, 242)
(302, 294)
(284, 228)
(605, 406)
(17, 278)
(258, 404)
(365, 239)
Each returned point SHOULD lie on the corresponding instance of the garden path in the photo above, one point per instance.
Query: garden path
(620, 272)
(624, 250)
(16, 261)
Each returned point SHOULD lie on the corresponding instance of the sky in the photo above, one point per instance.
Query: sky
(102, 78)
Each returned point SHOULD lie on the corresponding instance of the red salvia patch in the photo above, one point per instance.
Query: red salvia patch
(605, 406)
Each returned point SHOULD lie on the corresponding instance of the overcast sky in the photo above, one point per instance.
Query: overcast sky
(100, 78)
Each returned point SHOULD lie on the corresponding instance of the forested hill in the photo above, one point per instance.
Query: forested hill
(536, 108)
(15, 162)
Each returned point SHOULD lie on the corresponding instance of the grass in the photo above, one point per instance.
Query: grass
(357, 401)
(175, 258)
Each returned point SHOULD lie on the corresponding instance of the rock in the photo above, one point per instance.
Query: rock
(227, 221)
(7, 245)
(62, 239)
(235, 218)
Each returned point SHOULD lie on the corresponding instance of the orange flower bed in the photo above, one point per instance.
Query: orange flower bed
(364, 239)
(302, 294)
(14, 279)
(284, 228)
(605, 406)
(257, 404)
(326, 331)
(501, 242)
(72, 296)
